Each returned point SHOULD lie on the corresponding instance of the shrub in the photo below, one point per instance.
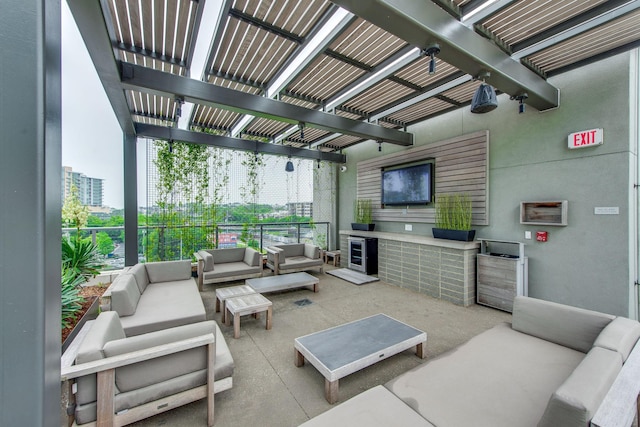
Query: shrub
(80, 258)
(453, 211)
(71, 298)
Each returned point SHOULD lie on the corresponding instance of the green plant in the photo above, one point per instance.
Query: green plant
(71, 298)
(80, 258)
(453, 211)
(363, 211)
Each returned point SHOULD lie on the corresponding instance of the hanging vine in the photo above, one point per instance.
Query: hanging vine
(253, 162)
(183, 185)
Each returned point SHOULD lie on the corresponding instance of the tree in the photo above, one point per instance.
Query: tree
(104, 243)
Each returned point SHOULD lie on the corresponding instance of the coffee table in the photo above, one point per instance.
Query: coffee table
(247, 304)
(345, 349)
(222, 294)
(283, 282)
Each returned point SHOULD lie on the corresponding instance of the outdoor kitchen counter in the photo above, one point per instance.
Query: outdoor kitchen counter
(444, 269)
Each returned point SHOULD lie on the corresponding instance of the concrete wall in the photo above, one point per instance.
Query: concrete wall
(590, 262)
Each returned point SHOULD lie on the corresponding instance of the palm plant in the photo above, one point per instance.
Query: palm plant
(71, 298)
(80, 257)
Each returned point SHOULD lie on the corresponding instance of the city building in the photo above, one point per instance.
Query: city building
(90, 190)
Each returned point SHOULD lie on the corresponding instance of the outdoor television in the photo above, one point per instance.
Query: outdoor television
(409, 185)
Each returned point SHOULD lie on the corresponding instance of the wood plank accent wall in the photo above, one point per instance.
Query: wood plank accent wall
(461, 166)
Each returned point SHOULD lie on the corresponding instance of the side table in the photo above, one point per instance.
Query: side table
(335, 255)
(222, 294)
(247, 304)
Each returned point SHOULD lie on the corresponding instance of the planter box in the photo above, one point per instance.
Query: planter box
(90, 314)
(460, 235)
(362, 227)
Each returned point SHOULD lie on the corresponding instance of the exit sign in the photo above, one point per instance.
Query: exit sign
(586, 138)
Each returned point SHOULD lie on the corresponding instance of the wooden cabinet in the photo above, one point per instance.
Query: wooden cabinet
(502, 271)
(544, 213)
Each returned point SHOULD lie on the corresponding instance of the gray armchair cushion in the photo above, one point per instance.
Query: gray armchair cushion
(153, 371)
(125, 295)
(578, 398)
(572, 327)
(620, 335)
(106, 327)
(142, 279)
(168, 271)
(207, 258)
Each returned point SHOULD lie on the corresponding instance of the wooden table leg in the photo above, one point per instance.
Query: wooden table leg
(298, 358)
(217, 305)
(420, 350)
(227, 317)
(331, 390)
(236, 325)
(224, 312)
(315, 287)
(269, 317)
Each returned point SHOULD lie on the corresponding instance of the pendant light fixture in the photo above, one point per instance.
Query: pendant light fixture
(431, 52)
(289, 166)
(484, 100)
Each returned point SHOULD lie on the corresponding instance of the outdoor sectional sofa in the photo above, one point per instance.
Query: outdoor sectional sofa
(154, 296)
(121, 379)
(227, 264)
(293, 257)
(552, 366)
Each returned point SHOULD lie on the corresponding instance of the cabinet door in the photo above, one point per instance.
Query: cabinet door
(497, 281)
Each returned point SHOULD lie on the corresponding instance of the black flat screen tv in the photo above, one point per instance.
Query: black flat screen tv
(409, 185)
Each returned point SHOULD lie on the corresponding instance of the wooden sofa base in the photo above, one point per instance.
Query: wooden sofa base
(165, 404)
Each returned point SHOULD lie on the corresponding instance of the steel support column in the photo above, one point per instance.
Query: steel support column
(130, 199)
(30, 223)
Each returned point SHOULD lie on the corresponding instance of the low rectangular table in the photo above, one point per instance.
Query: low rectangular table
(283, 282)
(345, 349)
(247, 304)
(223, 294)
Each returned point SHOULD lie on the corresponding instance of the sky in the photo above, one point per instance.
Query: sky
(91, 136)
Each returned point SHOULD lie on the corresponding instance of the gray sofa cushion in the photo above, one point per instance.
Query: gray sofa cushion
(140, 272)
(106, 327)
(577, 399)
(292, 249)
(311, 251)
(376, 407)
(620, 335)
(572, 327)
(163, 368)
(125, 295)
(228, 255)
(166, 305)
(168, 271)
(207, 258)
(300, 262)
(252, 257)
(231, 269)
(500, 378)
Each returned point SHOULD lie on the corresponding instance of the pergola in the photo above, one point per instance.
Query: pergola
(310, 77)
(314, 77)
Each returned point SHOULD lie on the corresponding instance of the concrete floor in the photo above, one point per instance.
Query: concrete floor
(269, 390)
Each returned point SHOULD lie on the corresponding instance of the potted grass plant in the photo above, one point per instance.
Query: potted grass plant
(363, 215)
(453, 217)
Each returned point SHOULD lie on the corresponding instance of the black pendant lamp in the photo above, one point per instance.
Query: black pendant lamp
(484, 100)
(289, 166)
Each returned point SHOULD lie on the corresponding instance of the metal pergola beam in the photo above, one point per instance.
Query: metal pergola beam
(89, 18)
(161, 132)
(140, 78)
(424, 23)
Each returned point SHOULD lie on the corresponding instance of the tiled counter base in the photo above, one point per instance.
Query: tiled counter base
(444, 269)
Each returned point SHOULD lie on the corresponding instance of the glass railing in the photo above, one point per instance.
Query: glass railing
(164, 243)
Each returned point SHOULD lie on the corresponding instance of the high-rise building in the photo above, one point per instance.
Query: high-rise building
(90, 190)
